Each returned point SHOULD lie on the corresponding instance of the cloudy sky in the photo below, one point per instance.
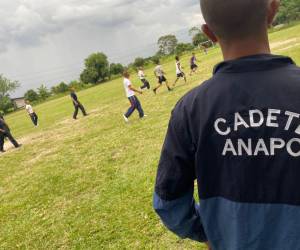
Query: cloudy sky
(47, 41)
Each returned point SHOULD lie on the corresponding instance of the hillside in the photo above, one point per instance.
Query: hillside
(88, 184)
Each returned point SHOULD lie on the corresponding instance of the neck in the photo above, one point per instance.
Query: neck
(236, 49)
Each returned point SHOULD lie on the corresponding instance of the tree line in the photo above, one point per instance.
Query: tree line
(289, 11)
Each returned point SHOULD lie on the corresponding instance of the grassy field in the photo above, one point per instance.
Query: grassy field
(88, 184)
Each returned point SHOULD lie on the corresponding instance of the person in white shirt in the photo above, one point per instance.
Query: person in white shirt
(142, 76)
(160, 75)
(179, 71)
(31, 113)
(134, 101)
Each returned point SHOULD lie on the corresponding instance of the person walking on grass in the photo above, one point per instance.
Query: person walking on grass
(142, 76)
(237, 135)
(33, 116)
(193, 63)
(77, 104)
(5, 133)
(134, 101)
(160, 75)
(179, 71)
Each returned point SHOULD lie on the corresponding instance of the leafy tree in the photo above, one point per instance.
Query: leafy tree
(31, 95)
(167, 44)
(89, 76)
(116, 68)
(5, 104)
(197, 36)
(155, 59)
(96, 69)
(43, 92)
(139, 62)
(77, 85)
(182, 47)
(6, 87)
(60, 88)
(289, 11)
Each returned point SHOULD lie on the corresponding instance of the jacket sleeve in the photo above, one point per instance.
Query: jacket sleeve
(173, 198)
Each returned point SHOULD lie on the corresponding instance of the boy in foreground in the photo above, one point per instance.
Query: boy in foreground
(5, 133)
(33, 116)
(77, 104)
(134, 101)
(160, 75)
(238, 135)
(179, 71)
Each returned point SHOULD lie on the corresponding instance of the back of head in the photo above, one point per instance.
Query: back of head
(235, 19)
(126, 74)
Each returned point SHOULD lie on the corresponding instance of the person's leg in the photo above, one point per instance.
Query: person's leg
(12, 139)
(132, 107)
(36, 119)
(157, 87)
(147, 84)
(144, 84)
(82, 109)
(175, 81)
(1, 142)
(167, 84)
(75, 112)
(184, 77)
(139, 107)
(32, 119)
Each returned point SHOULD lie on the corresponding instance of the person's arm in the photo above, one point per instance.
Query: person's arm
(74, 101)
(135, 90)
(174, 190)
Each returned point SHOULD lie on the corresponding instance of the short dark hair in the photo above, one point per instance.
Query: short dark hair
(235, 19)
(177, 58)
(126, 74)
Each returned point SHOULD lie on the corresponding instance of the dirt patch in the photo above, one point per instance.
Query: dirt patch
(282, 43)
(290, 47)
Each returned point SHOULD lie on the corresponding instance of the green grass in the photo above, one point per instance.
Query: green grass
(88, 184)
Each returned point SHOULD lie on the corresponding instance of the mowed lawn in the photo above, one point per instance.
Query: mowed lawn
(88, 184)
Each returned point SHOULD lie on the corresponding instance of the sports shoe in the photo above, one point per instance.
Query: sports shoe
(154, 91)
(125, 118)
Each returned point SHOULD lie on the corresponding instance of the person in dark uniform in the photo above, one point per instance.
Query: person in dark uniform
(238, 136)
(77, 104)
(193, 63)
(5, 133)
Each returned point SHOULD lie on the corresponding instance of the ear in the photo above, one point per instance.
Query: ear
(208, 32)
(273, 9)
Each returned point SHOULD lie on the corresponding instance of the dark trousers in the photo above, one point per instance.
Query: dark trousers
(146, 84)
(135, 104)
(34, 118)
(9, 137)
(77, 107)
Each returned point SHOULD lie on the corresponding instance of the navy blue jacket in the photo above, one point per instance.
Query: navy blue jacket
(238, 136)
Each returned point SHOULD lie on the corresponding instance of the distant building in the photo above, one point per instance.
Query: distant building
(19, 102)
